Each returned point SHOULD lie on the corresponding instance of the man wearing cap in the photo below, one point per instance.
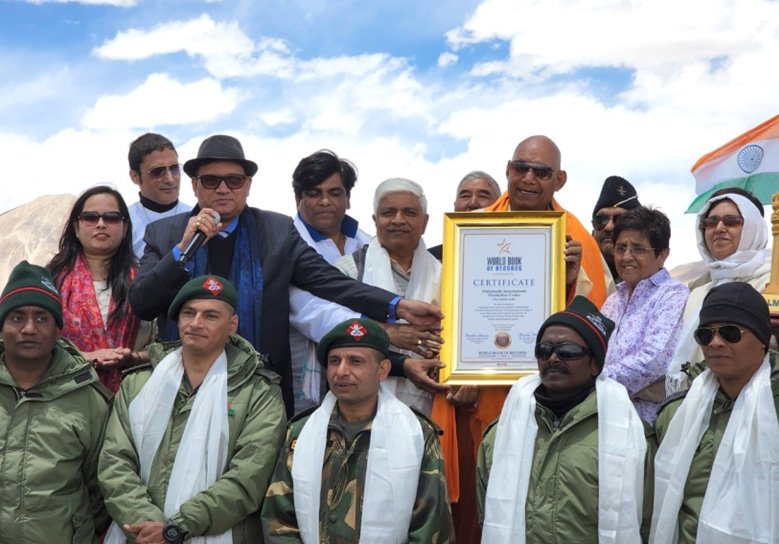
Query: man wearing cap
(193, 436)
(717, 464)
(261, 252)
(155, 169)
(53, 411)
(382, 479)
(566, 460)
(616, 197)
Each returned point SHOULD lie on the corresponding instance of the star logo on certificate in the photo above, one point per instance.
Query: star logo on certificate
(504, 247)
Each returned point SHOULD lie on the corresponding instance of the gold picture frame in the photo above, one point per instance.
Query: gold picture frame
(503, 274)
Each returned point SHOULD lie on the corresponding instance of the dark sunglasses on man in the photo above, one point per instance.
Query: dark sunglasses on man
(566, 351)
(540, 171)
(90, 219)
(158, 172)
(729, 333)
(212, 181)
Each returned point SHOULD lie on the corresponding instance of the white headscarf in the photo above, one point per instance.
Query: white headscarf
(752, 258)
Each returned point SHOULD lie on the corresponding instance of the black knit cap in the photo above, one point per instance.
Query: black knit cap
(583, 317)
(738, 303)
(617, 192)
(31, 285)
(361, 333)
(220, 148)
(203, 287)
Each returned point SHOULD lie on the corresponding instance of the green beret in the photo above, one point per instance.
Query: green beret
(361, 333)
(31, 285)
(203, 287)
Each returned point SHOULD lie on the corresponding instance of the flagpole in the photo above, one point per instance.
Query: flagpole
(771, 292)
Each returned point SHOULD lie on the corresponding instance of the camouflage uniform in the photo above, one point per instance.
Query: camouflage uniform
(343, 480)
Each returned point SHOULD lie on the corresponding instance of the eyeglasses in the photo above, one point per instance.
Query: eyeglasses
(158, 172)
(599, 222)
(729, 333)
(91, 219)
(566, 351)
(541, 171)
(712, 221)
(637, 251)
(212, 181)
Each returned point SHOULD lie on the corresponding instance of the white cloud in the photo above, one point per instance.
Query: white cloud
(161, 101)
(447, 59)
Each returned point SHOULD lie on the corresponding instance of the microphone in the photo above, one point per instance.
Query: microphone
(195, 243)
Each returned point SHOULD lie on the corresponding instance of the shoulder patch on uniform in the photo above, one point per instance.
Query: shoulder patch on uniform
(669, 400)
(269, 375)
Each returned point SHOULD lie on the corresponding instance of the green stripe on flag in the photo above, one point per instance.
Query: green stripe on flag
(763, 186)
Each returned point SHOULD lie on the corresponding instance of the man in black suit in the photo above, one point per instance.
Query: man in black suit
(260, 252)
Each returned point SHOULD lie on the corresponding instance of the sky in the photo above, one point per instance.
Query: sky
(423, 90)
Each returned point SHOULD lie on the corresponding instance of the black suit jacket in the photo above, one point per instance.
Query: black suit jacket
(286, 259)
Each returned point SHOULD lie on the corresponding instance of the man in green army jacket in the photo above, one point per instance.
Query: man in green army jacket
(568, 457)
(53, 411)
(383, 476)
(193, 437)
(717, 464)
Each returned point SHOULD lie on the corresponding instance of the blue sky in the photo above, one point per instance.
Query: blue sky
(425, 90)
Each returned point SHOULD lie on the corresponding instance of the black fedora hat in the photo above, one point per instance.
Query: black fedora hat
(220, 148)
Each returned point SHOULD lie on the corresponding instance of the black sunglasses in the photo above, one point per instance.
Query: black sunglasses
(212, 181)
(159, 171)
(541, 171)
(728, 220)
(729, 333)
(564, 350)
(91, 219)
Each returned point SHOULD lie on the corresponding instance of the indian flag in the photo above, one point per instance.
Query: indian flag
(750, 161)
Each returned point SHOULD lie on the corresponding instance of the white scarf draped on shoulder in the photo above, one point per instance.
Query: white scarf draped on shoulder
(621, 456)
(741, 504)
(201, 456)
(394, 461)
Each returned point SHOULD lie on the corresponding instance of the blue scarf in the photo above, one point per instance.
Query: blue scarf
(245, 274)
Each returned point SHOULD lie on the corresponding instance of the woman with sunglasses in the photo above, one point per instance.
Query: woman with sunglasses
(733, 242)
(647, 308)
(93, 270)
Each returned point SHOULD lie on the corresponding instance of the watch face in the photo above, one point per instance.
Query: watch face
(172, 533)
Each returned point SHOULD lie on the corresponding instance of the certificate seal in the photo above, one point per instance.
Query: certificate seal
(502, 340)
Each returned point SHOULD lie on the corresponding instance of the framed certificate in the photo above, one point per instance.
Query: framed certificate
(503, 275)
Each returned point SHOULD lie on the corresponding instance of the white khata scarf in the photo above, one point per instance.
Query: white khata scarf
(741, 504)
(424, 284)
(751, 259)
(621, 455)
(202, 453)
(391, 477)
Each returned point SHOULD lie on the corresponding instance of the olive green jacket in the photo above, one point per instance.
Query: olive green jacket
(562, 498)
(50, 437)
(703, 460)
(343, 481)
(256, 425)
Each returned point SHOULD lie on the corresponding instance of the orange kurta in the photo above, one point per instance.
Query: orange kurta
(492, 398)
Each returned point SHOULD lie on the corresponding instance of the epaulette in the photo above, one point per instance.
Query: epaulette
(490, 426)
(269, 375)
(304, 413)
(103, 390)
(143, 366)
(669, 400)
(436, 429)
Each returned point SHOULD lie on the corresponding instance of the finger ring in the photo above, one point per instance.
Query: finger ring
(419, 342)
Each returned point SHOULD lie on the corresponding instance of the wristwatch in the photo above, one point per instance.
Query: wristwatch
(172, 533)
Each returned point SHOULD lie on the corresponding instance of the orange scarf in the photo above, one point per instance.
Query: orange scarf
(491, 398)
